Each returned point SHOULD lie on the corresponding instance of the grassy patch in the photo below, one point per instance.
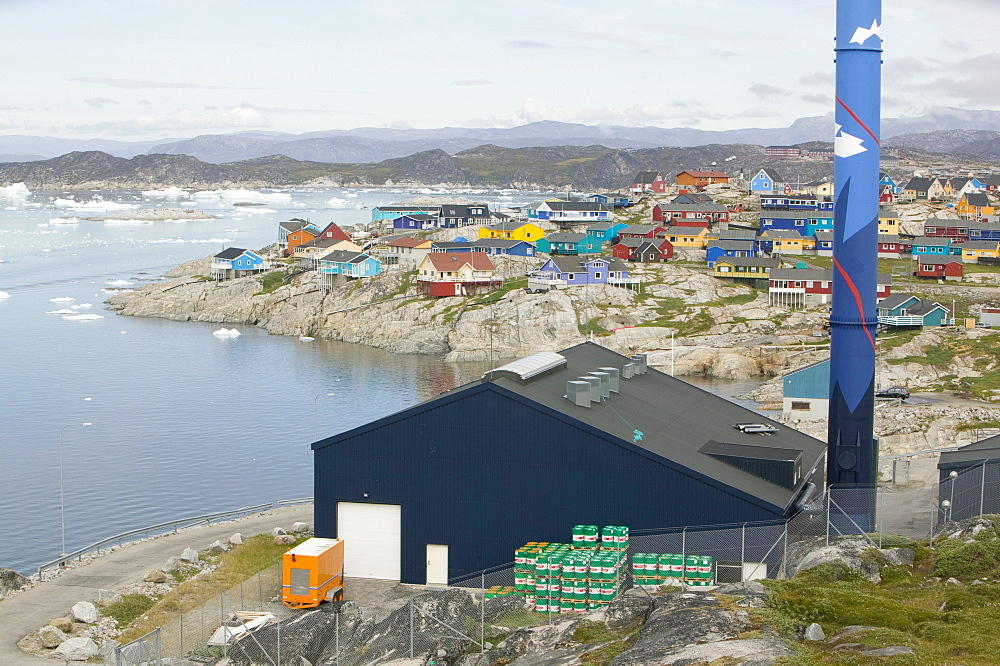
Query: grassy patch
(406, 282)
(232, 568)
(605, 654)
(129, 608)
(593, 327)
(937, 355)
(271, 282)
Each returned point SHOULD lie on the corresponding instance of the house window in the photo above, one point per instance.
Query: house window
(800, 223)
(800, 406)
(571, 276)
(597, 275)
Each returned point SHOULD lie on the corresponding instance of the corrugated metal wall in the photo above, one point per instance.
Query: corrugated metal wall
(484, 472)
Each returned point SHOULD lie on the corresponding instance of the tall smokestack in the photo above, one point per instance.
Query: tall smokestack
(852, 456)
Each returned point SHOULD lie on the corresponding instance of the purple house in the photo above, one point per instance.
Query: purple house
(566, 271)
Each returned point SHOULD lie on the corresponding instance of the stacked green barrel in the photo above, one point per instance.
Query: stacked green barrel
(657, 569)
(571, 578)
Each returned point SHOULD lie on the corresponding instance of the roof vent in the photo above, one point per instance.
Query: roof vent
(640, 363)
(613, 374)
(605, 383)
(782, 467)
(578, 393)
(595, 387)
(628, 371)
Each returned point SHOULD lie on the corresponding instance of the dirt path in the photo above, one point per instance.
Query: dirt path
(34, 608)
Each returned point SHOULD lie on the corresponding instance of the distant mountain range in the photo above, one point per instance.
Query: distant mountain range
(373, 144)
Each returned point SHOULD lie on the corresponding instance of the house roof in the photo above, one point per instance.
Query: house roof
(938, 259)
(782, 234)
(692, 208)
(984, 226)
(733, 245)
(766, 262)
(895, 300)
(773, 175)
(639, 228)
(978, 199)
(924, 306)
(419, 217)
(645, 177)
(633, 242)
(980, 245)
(693, 197)
(675, 229)
(576, 206)
(824, 234)
(498, 242)
(886, 213)
(506, 226)
(705, 174)
(918, 184)
(452, 261)
(736, 234)
(407, 209)
(577, 264)
(886, 238)
(814, 274)
(345, 257)
(603, 226)
(231, 253)
(994, 180)
(925, 240)
(454, 210)
(443, 245)
(295, 225)
(410, 241)
(565, 237)
(984, 449)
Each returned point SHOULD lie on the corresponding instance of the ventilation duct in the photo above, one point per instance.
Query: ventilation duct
(613, 374)
(578, 393)
(595, 387)
(605, 383)
(628, 371)
(640, 363)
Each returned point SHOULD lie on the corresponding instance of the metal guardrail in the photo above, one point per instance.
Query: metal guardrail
(172, 525)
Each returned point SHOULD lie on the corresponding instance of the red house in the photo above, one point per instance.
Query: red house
(690, 215)
(888, 246)
(886, 195)
(335, 232)
(938, 267)
(643, 250)
(640, 231)
(457, 273)
(798, 287)
(649, 181)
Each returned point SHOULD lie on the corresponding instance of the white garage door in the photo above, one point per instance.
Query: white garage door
(371, 534)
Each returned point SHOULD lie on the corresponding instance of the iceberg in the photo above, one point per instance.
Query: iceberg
(63, 311)
(62, 299)
(3, 295)
(81, 306)
(252, 196)
(98, 205)
(165, 193)
(119, 283)
(226, 333)
(82, 317)
(18, 191)
(64, 220)
(337, 202)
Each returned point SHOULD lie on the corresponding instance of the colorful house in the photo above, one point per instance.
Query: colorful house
(407, 250)
(569, 244)
(925, 245)
(819, 188)
(684, 236)
(560, 272)
(795, 202)
(301, 236)
(975, 205)
(806, 393)
(888, 221)
(941, 268)
(823, 239)
(456, 273)
(804, 224)
(643, 250)
(993, 183)
(887, 181)
(606, 231)
(500, 247)
(972, 251)
(781, 241)
(801, 287)
(922, 189)
(522, 231)
(729, 248)
(415, 221)
(572, 211)
(609, 199)
(234, 262)
(766, 181)
(347, 263)
(702, 215)
(648, 181)
(888, 246)
(452, 216)
(640, 231)
(392, 212)
(752, 269)
(907, 311)
(319, 247)
(334, 232)
(701, 178)
(293, 225)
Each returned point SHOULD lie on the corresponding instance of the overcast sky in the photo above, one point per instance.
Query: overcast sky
(149, 69)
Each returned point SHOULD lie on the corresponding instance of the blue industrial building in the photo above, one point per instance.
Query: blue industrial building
(806, 392)
(977, 470)
(536, 446)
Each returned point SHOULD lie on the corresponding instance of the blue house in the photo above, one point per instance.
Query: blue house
(887, 181)
(570, 211)
(392, 212)
(569, 244)
(806, 392)
(905, 310)
(560, 271)
(806, 225)
(794, 202)
(983, 231)
(765, 182)
(936, 246)
(606, 231)
(347, 263)
(415, 221)
(503, 247)
(608, 199)
(729, 248)
(234, 262)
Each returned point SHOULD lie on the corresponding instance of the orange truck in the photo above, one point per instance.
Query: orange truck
(311, 572)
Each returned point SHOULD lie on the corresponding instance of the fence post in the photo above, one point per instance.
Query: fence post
(878, 515)
(336, 639)
(784, 549)
(982, 490)
(159, 661)
(242, 603)
(260, 590)
(279, 642)
(827, 516)
(743, 549)
(182, 633)
(225, 627)
(684, 555)
(411, 626)
(482, 613)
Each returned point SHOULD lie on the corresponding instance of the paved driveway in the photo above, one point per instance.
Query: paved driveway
(34, 608)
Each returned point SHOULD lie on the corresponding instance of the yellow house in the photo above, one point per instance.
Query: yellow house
(888, 221)
(973, 250)
(975, 205)
(820, 188)
(686, 236)
(523, 231)
(748, 268)
(785, 241)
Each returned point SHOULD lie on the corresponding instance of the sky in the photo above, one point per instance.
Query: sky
(153, 69)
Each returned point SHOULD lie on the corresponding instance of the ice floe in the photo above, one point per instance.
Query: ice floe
(63, 311)
(17, 191)
(119, 283)
(3, 295)
(252, 196)
(306, 338)
(81, 306)
(226, 333)
(64, 220)
(337, 202)
(216, 241)
(62, 299)
(82, 317)
(165, 193)
(98, 205)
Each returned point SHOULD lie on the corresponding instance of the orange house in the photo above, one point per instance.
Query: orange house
(701, 178)
(975, 205)
(299, 237)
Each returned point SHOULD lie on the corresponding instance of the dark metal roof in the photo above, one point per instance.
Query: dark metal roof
(230, 253)
(984, 449)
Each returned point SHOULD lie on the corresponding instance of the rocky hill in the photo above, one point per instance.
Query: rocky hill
(984, 144)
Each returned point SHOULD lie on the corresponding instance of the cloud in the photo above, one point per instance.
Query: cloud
(241, 117)
(5, 123)
(724, 54)
(956, 44)
(98, 102)
(636, 115)
(472, 82)
(758, 112)
(963, 81)
(142, 84)
(526, 44)
(764, 91)
(817, 99)
(818, 79)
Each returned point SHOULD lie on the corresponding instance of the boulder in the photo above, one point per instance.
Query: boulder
(969, 528)
(749, 594)
(747, 652)
(84, 611)
(173, 564)
(237, 539)
(63, 624)
(284, 539)
(277, 531)
(190, 555)
(850, 552)
(76, 649)
(107, 652)
(628, 610)
(11, 581)
(300, 528)
(498, 607)
(218, 547)
(156, 576)
(51, 637)
(814, 632)
(303, 637)
(107, 597)
(899, 556)
(953, 581)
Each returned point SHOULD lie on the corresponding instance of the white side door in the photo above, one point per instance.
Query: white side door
(437, 565)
